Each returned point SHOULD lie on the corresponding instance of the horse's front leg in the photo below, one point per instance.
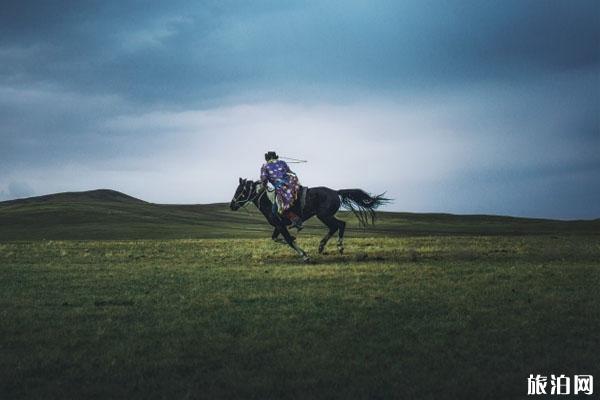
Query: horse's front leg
(275, 236)
(290, 240)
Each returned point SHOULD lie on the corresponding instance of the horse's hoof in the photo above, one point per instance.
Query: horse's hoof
(341, 250)
(321, 248)
(306, 259)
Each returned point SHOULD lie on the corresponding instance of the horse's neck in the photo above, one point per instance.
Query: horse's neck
(263, 204)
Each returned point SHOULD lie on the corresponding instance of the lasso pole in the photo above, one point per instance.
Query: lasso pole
(293, 160)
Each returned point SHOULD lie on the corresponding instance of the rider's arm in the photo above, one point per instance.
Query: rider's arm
(286, 169)
(264, 176)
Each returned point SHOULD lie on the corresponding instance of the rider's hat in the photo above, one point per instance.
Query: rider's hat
(271, 155)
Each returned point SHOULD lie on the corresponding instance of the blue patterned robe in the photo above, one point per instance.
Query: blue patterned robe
(284, 180)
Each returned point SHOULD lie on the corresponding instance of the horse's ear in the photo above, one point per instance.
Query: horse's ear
(240, 181)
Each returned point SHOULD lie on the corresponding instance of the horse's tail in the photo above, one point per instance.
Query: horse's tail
(362, 204)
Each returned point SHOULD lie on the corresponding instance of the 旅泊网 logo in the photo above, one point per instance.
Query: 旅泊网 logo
(560, 385)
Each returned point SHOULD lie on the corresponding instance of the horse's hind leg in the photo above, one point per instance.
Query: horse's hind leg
(341, 230)
(333, 226)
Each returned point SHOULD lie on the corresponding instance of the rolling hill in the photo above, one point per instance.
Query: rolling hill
(108, 214)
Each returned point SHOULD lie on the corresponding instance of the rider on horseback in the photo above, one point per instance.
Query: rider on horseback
(286, 186)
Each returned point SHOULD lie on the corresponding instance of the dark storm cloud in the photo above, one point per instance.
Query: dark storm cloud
(516, 83)
(150, 53)
(184, 52)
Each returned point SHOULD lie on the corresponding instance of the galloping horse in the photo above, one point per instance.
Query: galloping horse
(320, 201)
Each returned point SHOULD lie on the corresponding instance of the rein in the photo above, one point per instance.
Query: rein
(257, 195)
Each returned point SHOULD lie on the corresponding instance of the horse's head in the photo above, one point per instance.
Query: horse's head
(245, 192)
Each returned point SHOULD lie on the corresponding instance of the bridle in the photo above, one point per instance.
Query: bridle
(257, 194)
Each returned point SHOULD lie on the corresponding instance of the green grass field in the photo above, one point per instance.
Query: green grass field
(423, 307)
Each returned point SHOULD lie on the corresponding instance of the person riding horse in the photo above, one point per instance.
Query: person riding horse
(286, 185)
(320, 201)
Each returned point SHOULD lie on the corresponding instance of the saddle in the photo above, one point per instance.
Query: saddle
(300, 201)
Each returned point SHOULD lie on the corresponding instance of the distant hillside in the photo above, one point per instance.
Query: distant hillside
(66, 197)
(108, 214)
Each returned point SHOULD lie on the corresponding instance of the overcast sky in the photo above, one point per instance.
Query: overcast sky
(449, 106)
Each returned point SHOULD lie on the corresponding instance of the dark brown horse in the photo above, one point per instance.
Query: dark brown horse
(320, 201)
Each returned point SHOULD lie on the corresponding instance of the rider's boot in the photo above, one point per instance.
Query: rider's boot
(296, 220)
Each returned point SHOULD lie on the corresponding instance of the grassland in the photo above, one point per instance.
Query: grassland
(410, 311)
(106, 214)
